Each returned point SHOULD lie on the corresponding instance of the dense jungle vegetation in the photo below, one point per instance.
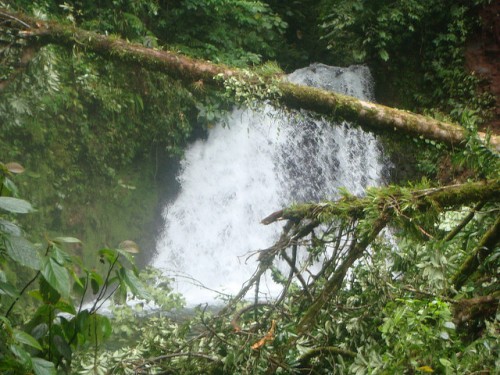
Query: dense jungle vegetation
(86, 138)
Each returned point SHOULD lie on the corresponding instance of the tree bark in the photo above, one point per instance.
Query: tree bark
(371, 116)
(482, 307)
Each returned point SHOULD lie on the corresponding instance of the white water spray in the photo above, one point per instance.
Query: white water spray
(258, 164)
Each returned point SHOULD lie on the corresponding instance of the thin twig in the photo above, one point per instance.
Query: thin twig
(15, 19)
(212, 331)
(174, 355)
(21, 293)
(239, 313)
(105, 287)
(428, 294)
(400, 213)
(292, 263)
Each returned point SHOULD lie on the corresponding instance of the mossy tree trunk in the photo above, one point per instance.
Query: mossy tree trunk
(351, 206)
(372, 117)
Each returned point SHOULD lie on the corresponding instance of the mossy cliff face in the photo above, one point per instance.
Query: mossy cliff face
(91, 135)
(105, 213)
(123, 210)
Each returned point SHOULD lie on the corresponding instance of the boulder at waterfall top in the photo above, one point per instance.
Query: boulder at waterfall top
(355, 80)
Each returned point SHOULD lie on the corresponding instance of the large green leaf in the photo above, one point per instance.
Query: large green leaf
(57, 276)
(136, 286)
(11, 188)
(15, 205)
(49, 294)
(9, 228)
(67, 307)
(40, 330)
(59, 255)
(109, 254)
(93, 327)
(127, 256)
(26, 339)
(22, 355)
(43, 367)
(23, 252)
(96, 281)
(99, 328)
(82, 319)
(62, 347)
(120, 295)
(67, 240)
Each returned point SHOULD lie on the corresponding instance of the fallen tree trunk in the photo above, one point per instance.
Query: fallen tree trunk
(373, 117)
(445, 196)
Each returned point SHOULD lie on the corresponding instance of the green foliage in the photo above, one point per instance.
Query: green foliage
(410, 325)
(251, 95)
(93, 96)
(374, 29)
(42, 327)
(477, 156)
(80, 121)
(392, 314)
(303, 44)
(238, 33)
(411, 44)
(130, 18)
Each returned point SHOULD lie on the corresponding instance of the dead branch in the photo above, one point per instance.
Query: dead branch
(334, 284)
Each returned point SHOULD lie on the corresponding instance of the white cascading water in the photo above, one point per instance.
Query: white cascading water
(260, 163)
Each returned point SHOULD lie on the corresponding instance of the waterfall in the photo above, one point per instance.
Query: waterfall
(261, 162)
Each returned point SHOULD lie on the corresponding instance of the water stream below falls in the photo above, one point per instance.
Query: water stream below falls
(262, 162)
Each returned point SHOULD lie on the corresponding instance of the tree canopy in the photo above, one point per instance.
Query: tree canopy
(401, 280)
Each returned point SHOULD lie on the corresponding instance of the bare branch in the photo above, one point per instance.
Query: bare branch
(10, 16)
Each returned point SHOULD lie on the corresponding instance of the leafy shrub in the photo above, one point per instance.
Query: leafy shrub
(43, 288)
(417, 46)
(238, 33)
